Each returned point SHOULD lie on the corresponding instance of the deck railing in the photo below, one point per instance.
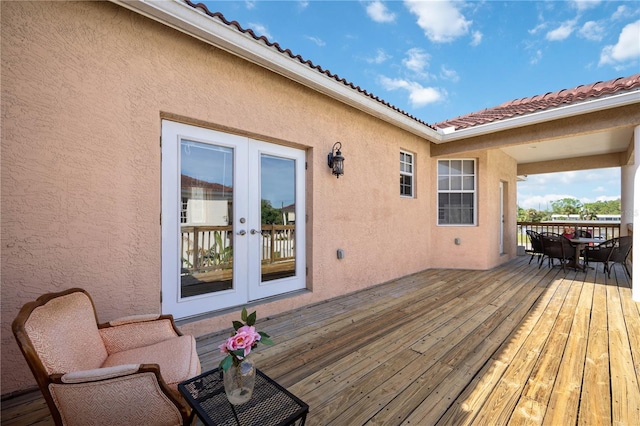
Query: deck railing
(601, 231)
(277, 243)
(209, 248)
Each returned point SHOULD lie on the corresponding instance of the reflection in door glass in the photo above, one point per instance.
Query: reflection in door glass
(278, 209)
(206, 206)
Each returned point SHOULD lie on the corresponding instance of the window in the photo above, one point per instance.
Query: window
(406, 174)
(456, 192)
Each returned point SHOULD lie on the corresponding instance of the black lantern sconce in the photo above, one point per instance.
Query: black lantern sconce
(336, 161)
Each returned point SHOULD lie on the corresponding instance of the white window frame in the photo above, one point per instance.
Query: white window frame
(461, 190)
(407, 171)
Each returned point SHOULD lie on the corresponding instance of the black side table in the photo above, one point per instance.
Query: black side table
(270, 404)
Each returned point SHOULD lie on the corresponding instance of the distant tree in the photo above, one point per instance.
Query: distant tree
(270, 215)
(586, 214)
(566, 206)
(604, 207)
(532, 215)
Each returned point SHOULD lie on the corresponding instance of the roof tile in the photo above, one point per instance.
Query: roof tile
(519, 107)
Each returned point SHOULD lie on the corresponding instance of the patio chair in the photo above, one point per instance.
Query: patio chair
(536, 245)
(581, 233)
(555, 246)
(124, 372)
(615, 250)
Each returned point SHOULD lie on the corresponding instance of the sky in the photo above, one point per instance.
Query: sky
(437, 60)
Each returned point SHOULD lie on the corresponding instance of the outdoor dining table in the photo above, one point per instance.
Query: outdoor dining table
(579, 244)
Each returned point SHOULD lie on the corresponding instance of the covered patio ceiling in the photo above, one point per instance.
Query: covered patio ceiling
(610, 141)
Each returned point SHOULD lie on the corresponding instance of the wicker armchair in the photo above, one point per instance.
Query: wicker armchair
(615, 250)
(536, 245)
(556, 246)
(124, 372)
(581, 233)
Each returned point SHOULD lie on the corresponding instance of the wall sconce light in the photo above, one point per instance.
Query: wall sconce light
(336, 161)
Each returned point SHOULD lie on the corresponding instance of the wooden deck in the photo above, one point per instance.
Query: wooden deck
(514, 345)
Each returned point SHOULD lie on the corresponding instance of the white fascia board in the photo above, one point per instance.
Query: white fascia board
(198, 24)
(596, 104)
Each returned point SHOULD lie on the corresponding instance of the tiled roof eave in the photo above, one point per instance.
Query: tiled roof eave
(195, 20)
(551, 101)
(564, 111)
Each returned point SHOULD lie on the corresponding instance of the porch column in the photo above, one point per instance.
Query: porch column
(635, 288)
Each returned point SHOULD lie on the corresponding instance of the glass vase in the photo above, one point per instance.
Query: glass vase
(239, 380)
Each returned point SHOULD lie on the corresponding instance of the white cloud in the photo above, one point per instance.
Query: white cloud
(260, 30)
(448, 74)
(562, 32)
(536, 57)
(540, 27)
(539, 202)
(592, 30)
(418, 95)
(588, 186)
(379, 12)
(316, 40)
(381, 56)
(476, 38)
(627, 49)
(441, 20)
(585, 4)
(620, 13)
(417, 60)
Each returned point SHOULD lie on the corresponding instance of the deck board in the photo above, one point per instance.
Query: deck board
(517, 345)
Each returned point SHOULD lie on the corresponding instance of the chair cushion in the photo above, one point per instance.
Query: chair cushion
(65, 335)
(133, 335)
(177, 358)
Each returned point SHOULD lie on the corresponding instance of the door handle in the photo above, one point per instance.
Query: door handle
(241, 232)
(254, 232)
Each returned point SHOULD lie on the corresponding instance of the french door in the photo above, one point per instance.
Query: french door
(229, 228)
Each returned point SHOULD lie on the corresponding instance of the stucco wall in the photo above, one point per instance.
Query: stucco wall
(84, 87)
(479, 246)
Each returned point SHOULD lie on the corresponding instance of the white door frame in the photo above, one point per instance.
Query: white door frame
(501, 242)
(247, 284)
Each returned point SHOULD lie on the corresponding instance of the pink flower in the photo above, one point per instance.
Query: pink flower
(245, 338)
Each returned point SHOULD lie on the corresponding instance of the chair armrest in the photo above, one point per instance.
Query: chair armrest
(137, 332)
(127, 398)
(85, 376)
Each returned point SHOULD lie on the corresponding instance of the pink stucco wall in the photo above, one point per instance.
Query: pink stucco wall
(479, 246)
(84, 88)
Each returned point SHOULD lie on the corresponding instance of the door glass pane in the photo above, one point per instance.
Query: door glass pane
(206, 207)
(278, 210)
